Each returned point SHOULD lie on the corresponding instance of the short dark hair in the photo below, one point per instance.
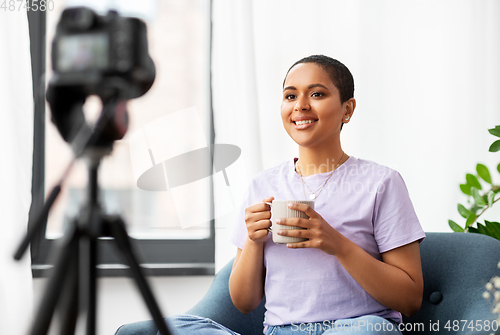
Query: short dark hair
(338, 72)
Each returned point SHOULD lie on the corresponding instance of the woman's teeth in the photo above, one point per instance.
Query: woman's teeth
(304, 122)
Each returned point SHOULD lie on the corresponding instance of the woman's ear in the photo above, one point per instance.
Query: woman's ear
(350, 106)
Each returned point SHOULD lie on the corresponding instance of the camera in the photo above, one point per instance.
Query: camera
(102, 53)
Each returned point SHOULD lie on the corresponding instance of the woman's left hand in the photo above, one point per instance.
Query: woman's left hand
(320, 233)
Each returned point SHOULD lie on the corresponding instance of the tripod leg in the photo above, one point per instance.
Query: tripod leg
(68, 306)
(88, 277)
(50, 298)
(87, 268)
(117, 230)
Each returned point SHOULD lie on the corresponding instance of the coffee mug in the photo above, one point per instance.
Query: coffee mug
(280, 210)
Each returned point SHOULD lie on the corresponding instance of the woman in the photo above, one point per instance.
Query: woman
(360, 267)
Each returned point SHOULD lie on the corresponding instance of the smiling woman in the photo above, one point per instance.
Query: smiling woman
(314, 110)
(358, 257)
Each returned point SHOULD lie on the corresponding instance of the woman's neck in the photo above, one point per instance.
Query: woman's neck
(313, 162)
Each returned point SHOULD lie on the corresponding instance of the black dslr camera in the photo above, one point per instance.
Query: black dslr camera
(103, 55)
(102, 52)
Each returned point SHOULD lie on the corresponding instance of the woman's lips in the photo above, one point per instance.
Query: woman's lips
(303, 125)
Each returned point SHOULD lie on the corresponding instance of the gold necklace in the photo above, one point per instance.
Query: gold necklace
(314, 195)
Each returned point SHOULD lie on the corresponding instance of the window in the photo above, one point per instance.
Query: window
(140, 179)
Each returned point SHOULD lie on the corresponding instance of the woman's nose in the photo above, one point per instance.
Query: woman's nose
(302, 105)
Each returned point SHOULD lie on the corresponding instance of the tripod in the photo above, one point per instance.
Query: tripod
(73, 282)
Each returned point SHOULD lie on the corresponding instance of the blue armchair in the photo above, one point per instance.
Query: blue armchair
(456, 268)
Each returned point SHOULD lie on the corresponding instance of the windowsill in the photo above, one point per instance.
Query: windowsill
(120, 270)
(174, 258)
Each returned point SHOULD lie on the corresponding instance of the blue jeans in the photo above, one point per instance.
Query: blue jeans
(365, 325)
(190, 324)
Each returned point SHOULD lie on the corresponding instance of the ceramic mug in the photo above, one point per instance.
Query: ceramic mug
(280, 210)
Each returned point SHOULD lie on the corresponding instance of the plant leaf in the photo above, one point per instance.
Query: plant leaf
(494, 228)
(463, 211)
(491, 196)
(455, 227)
(474, 209)
(484, 173)
(498, 168)
(482, 229)
(488, 229)
(473, 230)
(470, 220)
(478, 199)
(465, 188)
(472, 181)
(495, 131)
(495, 146)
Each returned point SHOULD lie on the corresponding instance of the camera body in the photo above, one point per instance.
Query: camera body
(102, 53)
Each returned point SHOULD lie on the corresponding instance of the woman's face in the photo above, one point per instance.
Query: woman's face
(311, 110)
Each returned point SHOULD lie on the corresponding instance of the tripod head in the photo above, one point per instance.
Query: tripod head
(66, 104)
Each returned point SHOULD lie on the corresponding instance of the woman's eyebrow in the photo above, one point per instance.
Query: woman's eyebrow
(309, 87)
(317, 85)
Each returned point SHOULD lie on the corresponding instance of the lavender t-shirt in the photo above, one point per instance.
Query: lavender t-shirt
(368, 203)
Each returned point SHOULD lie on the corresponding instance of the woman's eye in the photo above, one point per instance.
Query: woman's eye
(317, 94)
(290, 96)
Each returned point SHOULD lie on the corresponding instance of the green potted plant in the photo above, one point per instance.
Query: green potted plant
(480, 199)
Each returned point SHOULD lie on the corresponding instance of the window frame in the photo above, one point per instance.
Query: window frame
(158, 257)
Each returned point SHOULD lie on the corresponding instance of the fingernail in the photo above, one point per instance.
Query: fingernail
(290, 205)
(278, 221)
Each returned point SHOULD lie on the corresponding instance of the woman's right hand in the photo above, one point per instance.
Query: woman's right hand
(258, 220)
(246, 283)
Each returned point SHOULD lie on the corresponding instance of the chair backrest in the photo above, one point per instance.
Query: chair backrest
(456, 268)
